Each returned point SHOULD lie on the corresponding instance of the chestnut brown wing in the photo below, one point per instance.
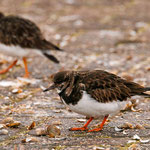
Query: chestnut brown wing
(107, 87)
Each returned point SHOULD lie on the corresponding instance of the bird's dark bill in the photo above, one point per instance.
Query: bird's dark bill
(53, 86)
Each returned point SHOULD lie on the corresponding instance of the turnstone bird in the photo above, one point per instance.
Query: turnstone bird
(19, 37)
(95, 94)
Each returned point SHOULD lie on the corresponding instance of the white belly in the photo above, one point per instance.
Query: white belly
(91, 108)
(16, 51)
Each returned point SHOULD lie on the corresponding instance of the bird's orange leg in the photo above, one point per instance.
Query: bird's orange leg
(26, 67)
(84, 127)
(101, 125)
(9, 67)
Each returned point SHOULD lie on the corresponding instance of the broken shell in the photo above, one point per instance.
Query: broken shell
(136, 137)
(138, 126)
(30, 139)
(124, 132)
(57, 111)
(131, 141)
(3, 132)
(118, 129)
(144, 141)
(21, 95)
(40, 131)
(2, 126)
(127, 126)
(98, 148)
(53, 131)
(15, 91)
(81, 120)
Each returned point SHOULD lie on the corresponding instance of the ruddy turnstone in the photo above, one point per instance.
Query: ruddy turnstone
(19, 37)
(95, 94)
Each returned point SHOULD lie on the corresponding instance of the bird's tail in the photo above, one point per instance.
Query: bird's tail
(46, 46)
(145, 94)
(51, 57)
(147, 89)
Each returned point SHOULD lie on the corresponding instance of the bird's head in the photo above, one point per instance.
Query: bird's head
(63, 80)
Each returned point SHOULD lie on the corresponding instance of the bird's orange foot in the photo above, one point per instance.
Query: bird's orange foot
(78, 129)
(3, 71)
(95, 130)
(9, 67)
(26, 75)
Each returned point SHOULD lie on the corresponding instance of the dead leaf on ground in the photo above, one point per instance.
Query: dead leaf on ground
(33, 124)
(9, 122)
(14, 124)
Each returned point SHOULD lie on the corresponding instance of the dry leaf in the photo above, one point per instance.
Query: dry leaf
(13, 125)
(33, 124)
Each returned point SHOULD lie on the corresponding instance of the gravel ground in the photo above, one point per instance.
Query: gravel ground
(112, 35)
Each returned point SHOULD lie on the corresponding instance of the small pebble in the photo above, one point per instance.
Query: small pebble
(3, 132)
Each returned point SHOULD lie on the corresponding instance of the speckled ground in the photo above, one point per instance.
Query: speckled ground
(106, 34)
